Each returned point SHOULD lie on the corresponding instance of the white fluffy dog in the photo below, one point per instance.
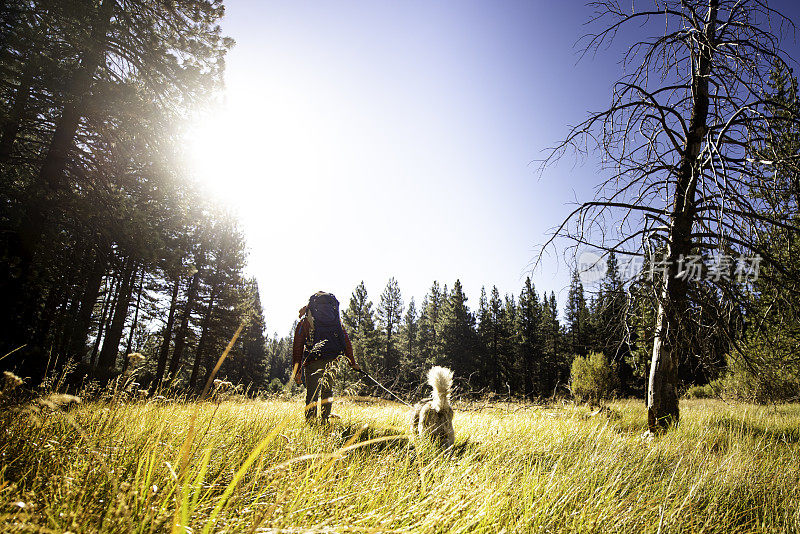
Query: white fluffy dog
(433, 417)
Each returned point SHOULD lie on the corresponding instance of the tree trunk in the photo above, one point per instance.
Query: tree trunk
(108, 355)
(77, 292)
(60, 347)
(201, 345)
(180, 336)
(83, 321)
(528, 380)
(110, 302)
(388, 360)
(125, 359)
(62, 328)
(662, 392)
(164, 352)
(12, 126)
(75, 106)
(53, 306)
(495, 358)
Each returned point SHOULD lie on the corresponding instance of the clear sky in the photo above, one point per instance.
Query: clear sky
(364, 140)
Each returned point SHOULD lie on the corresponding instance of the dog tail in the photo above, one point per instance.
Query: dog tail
(440, 379)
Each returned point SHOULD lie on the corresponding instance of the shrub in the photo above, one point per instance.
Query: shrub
(592, 378)
(275, 386)
(712, 389)
(758, 382)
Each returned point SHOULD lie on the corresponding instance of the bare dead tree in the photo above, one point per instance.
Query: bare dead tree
(679, 152)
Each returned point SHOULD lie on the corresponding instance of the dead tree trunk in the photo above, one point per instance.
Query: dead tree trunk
(662, 393)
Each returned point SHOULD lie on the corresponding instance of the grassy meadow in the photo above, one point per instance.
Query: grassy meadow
(252, 466)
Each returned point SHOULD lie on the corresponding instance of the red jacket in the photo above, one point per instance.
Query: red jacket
(299, 344)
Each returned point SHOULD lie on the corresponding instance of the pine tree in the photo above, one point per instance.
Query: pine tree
(610, 328)
(457, 326)
(679, 145)
(429, 342)
(249, 362)
(280, 356)
(483, 308)
(530, 345)
(93, 190)
(510, 365)
(390, 313)
(767, 366)
(577, 317)
(550, 335)
(490, 335)
(112, 82)
(359, 309)
(410, 368)
(483, 351)
(610, 313)
(640, 320)
(359, 319)
(410, 329)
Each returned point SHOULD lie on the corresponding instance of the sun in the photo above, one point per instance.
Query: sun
(259, 144)
(217, 153)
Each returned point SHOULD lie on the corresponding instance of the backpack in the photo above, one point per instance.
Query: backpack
(326, 337)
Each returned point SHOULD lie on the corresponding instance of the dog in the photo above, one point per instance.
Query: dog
(433, 417)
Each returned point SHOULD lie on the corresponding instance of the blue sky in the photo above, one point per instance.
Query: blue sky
(364, 140)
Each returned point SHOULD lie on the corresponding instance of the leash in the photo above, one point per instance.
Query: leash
(384, 387)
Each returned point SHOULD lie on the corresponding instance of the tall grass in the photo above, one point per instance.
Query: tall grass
(253, 466)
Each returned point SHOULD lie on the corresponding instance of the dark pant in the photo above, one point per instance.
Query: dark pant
(319, 385)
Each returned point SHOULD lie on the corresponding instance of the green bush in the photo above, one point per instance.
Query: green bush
(592, 378)
(710, 390)
(275, 386)
(758, 382)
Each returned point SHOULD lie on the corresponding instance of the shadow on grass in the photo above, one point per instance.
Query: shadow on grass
(467, 448)
(737, 426)
(631, 427)
(352, 434)
(396, 440)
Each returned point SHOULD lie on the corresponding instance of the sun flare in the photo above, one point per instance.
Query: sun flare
(219, 156)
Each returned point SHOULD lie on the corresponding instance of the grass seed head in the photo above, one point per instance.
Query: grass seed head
(59, 400)
(11, 381)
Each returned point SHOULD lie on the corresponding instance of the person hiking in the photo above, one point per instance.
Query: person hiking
(319, 339)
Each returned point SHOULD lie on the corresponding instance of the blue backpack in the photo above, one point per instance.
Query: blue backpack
(326, 338)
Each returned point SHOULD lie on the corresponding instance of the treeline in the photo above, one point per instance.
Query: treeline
(514, 344)
(107, 246)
